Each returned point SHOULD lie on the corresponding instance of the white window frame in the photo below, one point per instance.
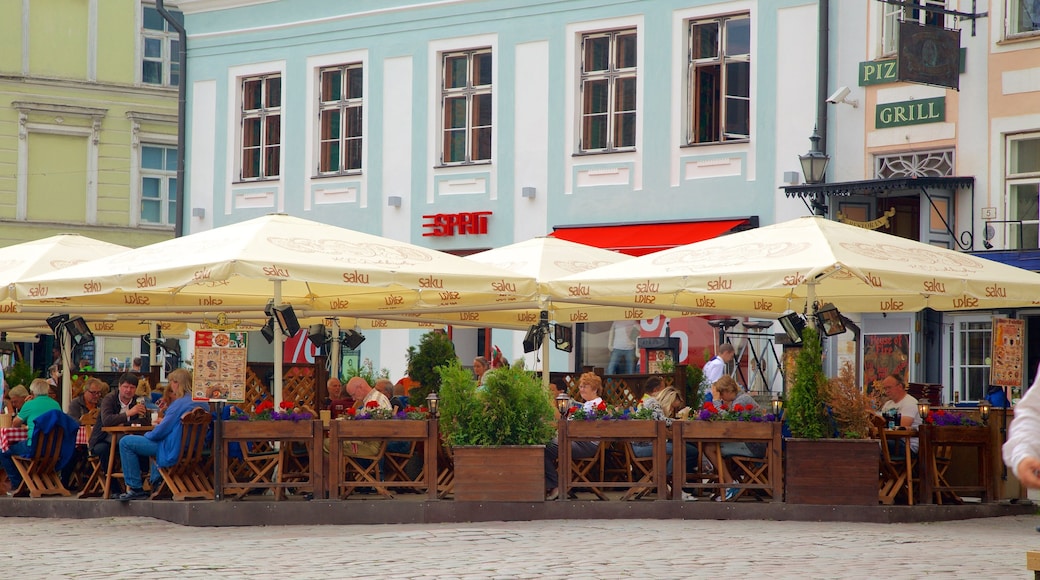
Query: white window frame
(1012, 20)
(721, 60)
(345, 105)
(891, 15)
(956, 345)
(467, 92)
(612, 75)
(265, 111)
(168, 38)
(1030, 228)
(166, 193)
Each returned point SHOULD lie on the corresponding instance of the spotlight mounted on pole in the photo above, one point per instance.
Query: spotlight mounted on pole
(351, 338)
(286, 317)
(536, 333)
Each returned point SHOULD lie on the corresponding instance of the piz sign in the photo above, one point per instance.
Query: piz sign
(450, 224)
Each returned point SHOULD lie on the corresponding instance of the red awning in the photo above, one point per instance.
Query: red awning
(642, 239)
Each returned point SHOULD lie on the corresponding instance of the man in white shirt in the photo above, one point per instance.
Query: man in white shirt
(1022, 450)
(716, 367)
(899, 400)
(622, 343)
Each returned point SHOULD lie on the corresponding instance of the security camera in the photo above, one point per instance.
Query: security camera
(842, 96)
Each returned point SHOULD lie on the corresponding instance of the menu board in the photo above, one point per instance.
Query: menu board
(1006, 365)
(220, 366)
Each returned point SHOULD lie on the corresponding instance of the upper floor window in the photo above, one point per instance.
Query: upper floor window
(1022, 180)
(720, 79)
(261, 126)
(608, 91)
(339, 118)
(158, 184)
(892, 15)
(1023, 17)
(466, 106)
(160, 58)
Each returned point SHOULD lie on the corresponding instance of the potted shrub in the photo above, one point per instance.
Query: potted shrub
(497, 433)
(435, 350)
(820, 467)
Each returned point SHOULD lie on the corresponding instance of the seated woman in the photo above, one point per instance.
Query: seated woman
(731, 395)
(163, 443)
(664, 402)
(590, 386)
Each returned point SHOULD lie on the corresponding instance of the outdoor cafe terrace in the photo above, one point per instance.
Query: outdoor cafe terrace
(275, 477)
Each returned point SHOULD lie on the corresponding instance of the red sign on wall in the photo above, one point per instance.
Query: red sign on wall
(450, 224)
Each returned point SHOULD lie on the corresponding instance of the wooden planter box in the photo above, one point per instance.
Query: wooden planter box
(268, 430)
(367, 428)
(507, 473)
(606, 429)
(738, 430)
(832, 471)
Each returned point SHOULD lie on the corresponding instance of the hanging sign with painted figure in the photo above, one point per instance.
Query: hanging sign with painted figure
(1008, 352)
(929, 55)
(220, 366)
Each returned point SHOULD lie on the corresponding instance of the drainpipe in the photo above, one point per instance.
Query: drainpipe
(822, 72)
(182, 55)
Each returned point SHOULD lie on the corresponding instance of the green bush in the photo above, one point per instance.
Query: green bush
(435, 350)
(513, 408)
(805, 410)
(20, 373)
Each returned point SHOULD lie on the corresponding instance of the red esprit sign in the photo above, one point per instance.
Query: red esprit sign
(450, 224)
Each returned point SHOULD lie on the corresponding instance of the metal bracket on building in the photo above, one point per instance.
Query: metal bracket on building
(966, 242)
(973, 15)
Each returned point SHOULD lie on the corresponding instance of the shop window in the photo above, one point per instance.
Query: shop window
(608, 91)
(341, 107)
(720, 79)
(261, 127)
(466, 106)
(971, 351)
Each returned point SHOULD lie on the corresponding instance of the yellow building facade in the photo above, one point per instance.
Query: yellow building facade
(88, 121)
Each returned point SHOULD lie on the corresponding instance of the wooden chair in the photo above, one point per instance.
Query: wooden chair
(254, 467)
(39, 472)
(897, 471)
(89, 418)
(395, 463)
(750, 471)
(582, 468)
(446, 476)
(187, 478)
(943, 457)
(95, 485)
(641, 468)
(360, 475)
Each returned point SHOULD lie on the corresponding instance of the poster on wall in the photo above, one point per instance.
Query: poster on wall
(220, 366)
(1008, 352)
(885, 354)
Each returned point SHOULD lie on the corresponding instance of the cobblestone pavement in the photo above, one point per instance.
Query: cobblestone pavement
(137, 548)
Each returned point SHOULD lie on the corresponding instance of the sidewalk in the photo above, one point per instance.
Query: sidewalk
(140, 548)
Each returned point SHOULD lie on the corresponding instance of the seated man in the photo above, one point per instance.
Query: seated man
(359, 390)
(339, 402)
(15, 398)
(89, 399)
(163, 443)
(120, 407)
(906, 405)
(37, 405)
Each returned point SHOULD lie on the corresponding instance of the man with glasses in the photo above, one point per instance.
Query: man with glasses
(93, 391)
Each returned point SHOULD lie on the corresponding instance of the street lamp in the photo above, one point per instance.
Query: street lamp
(923, 409)
(562, 402)
(778, 408)
(433, 403)
(814, 168)
(984, 408)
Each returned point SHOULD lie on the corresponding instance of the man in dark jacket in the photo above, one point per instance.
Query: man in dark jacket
(120, 407)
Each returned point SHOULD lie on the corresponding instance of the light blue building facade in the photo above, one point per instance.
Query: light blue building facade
(468, 125)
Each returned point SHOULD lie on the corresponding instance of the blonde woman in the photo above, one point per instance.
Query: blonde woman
(163, 443)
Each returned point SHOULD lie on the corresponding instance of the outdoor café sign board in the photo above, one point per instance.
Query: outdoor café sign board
(220, 366)
(1008, 352)
(915, 112)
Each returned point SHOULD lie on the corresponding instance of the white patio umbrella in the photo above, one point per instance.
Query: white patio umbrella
(319, 269)
(792, 264)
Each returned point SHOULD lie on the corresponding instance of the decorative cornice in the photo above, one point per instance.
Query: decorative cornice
(59, 109)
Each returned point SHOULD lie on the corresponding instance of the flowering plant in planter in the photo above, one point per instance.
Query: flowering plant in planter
(603, 411)
(372, 411)
(711, 412)
(941, 418)
(264, 411)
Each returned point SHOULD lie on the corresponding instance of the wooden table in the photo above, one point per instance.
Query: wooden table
(113, 454)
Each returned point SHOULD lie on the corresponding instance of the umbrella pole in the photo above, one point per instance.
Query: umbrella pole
(545, 359)
(278, 337)
(336, 348)
(66, 372)
(153, 350)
